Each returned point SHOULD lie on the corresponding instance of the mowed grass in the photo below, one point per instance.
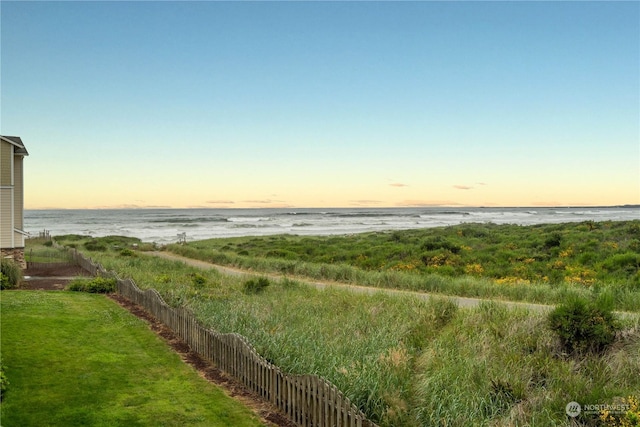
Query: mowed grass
(80, 359)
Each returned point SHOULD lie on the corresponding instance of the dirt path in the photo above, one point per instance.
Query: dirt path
(461, 301)
(51, 277)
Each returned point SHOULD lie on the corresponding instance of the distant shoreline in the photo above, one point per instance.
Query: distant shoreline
(625, 206)
(164, 225)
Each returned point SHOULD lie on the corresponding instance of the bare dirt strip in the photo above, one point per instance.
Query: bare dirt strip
(51, 278)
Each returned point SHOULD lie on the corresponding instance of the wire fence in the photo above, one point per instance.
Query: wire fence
(50, 257)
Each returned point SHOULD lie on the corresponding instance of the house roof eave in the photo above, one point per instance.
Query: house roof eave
(17, 142)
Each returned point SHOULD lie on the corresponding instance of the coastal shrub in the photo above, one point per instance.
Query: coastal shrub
(102, 244)
(95, 245)
(584, 326)
(256, 286)
(4, 381)
(119, 240)
(4, 281)
(627, 261)
(10, 274)
(98, 285)
(553, 240)
(127, 252)
(198, 280)
(281, 253)
(71, 237)
(434, 243)
(628, 418)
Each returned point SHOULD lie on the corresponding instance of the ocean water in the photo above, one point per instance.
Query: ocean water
(164, 225)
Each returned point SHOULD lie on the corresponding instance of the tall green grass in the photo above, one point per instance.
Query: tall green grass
(540, 264)
(404, 361)
(625, 298)
(579, 253)
(10, 274)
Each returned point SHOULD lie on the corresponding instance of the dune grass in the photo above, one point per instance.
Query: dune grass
(404, 361)
(539, 264)
(79, 359)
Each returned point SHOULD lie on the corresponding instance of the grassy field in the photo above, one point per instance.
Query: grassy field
(77, 359)
(540, 264)
(404, 361)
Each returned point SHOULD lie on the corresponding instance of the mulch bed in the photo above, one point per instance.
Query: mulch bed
(57, 277)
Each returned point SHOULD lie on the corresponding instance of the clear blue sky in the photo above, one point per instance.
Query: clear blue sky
(272, 104)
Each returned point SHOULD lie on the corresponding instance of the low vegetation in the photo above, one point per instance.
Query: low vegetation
(584, 326)
(42, 250)
(256, 286)
(412, 362)
(97, 285)
(4, 381)
(10, 274)
(541, 263)
(79, 359)
(572, 253)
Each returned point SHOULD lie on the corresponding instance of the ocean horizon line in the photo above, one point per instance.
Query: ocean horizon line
(137, 208)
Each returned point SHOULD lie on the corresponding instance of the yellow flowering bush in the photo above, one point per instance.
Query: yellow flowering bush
(566, 253)
(405, 266)
(439, 260)
(511, 280)
(582, 276)
(610, 245)
(473, 269)
(630, 418)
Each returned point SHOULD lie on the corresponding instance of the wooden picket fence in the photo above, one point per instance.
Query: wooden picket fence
(306, 400)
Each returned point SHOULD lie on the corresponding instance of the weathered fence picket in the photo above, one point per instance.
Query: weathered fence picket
(306, 400)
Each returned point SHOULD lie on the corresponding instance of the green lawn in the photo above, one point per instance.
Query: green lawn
(79, 359)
